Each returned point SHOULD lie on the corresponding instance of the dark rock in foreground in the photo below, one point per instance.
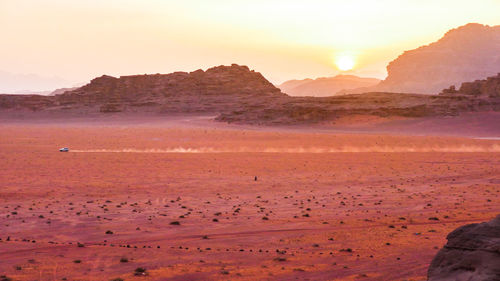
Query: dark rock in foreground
(472, 253)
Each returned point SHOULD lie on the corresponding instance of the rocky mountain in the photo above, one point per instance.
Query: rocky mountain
(472, 253)
(213, 90)
(326, 86)
(28, 83)
(61, 91)
(237, 94)
(480, 95)
(466, 53)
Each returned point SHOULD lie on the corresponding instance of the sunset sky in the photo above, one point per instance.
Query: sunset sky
(70, 42)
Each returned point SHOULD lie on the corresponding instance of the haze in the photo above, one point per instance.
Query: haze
(64, 43)
(249, 140)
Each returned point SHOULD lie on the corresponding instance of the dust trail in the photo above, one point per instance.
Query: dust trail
(344, 149)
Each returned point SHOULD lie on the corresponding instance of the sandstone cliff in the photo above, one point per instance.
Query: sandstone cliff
(216, 89)
(466, 53)
(487, 88)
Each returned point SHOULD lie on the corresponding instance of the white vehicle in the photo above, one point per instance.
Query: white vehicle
(64, 149)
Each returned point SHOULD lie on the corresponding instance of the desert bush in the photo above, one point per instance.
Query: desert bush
(140, 271)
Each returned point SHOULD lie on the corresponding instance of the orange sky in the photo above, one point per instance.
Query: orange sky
(283, 39)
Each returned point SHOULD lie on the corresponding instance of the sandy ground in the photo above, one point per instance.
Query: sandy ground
(250, 204)
(475, 124)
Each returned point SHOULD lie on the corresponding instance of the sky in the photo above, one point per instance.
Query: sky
(62, 43)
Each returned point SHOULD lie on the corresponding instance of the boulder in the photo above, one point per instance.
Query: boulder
(472, 253)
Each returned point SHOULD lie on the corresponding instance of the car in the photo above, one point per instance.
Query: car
(64, 149)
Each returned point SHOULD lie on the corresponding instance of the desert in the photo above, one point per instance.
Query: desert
(216, 202)
(249, 140)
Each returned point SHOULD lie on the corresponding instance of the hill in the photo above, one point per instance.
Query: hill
(326, 86)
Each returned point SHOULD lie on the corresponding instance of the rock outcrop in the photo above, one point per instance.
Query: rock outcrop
(200, 91)
(466, 53)
(236, 94)
(480, 95)
(326, 86)
(488, 88)
(472, 253)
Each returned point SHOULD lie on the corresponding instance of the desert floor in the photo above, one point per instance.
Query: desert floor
(218, 202)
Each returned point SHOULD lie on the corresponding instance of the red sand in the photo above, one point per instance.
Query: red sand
(360, 215)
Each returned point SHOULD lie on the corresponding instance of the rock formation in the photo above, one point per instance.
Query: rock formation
(326, 86)
(472, 253)
(463, 54)
(236, 94)
(488, 88)
(199, 91)
(480, 95)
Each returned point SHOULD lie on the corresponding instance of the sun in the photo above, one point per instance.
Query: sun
(344, 62)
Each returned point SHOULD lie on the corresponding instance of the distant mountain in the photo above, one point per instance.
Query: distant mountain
(467, 53)
(326, 86)
(61, 91)
(42, 93)
(29, 83)
(236, 94)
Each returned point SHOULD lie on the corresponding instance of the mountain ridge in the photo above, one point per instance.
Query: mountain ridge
(465, 53)
(326, 86)
(236, 94)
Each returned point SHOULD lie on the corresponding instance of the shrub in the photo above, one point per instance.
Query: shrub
(140, 271)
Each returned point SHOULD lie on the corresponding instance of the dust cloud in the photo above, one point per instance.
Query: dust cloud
(344, 149)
